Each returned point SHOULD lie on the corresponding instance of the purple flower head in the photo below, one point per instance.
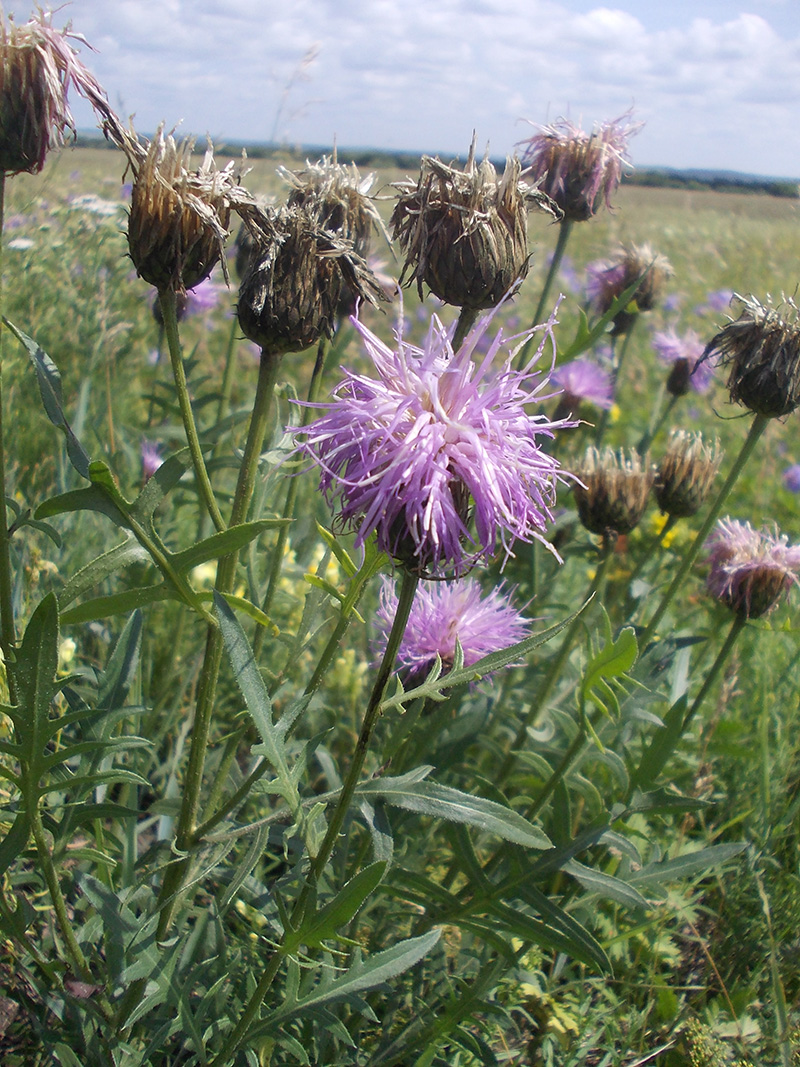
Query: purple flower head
(438, 450)
(750, 569)
(151, 458)
(717, 301)
(791, 478)
(683, 353)
(579, 170)
(583, 382)
(444, 611)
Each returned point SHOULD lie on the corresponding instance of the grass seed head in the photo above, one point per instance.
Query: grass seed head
(464, 232)
(37, 68)
(615, 490)
(686, 474)
(762, 350)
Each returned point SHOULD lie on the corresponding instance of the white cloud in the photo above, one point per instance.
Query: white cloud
(415, 74)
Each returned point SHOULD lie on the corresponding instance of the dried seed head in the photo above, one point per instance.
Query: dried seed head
(579, 170)
(609, 279)
(337, 197)
(37, 67)
(762, 349)
(179, 217)
(750, 569)
(686, 474)
(615, 490)
(464, 233)
(290, 292)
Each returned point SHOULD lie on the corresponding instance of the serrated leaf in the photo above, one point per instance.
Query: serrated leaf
(444, 802)
(49, 379)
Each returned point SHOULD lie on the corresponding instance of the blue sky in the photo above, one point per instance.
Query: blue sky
(717, 82)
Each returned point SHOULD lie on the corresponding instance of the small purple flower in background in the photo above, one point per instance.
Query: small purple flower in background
(791, 478)
(204, 297)
(717, 301)
(583, 382)
(672, 301)
(683, 353)
(750, 569)
(151, 458)
(579, 170)
(125, 191)
(444, 611)
(437, 445)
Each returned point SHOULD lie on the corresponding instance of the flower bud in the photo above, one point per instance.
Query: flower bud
(686, 474)
(615, 490)
(464, 233)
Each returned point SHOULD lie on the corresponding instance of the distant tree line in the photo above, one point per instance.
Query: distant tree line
(365, 158)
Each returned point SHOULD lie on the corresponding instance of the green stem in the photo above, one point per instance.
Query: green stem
(656, 425)
(758, 426)
(207, 684)
(716, 667)
(465, 322)
(168, 303)
(554, 669)
(405, 599)
(648, 552)
(276, 562)
(8, 638)
(564, 230)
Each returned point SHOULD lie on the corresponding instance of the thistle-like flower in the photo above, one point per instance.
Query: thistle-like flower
(437, 454)
(338, 197)
(579, 170)
(762, 349)
(608, 280)
(151, 458)
(750, 569)
(612, 490)
(179, 217)
(290, 292)
(583, 382)
(684, 356)
(791, 478)
(443, 612)
(37, 68)
(464, 233)
(686, 474)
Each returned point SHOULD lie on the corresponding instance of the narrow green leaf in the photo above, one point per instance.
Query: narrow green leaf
(122, 555)
(123, 663)
(444, 802)
(222, 544)
(666, 871)
(662, 745)
(14, 842)
(160, 484)
(92, 498)
(583, 944)
(248, 678)
(606, 885)
(49, 379)
(103, 607)
(615, 658)
(35, 672)
(569, 937)
(362, 975)
(329, 920)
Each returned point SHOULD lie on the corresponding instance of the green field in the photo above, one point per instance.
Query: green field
(656, 922)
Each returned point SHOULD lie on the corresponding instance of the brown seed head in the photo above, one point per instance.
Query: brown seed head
(37, 67)
(338, 197)
(289, 295)
(686, 474)
(615, 490)
(762, 349)
(464, 233)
